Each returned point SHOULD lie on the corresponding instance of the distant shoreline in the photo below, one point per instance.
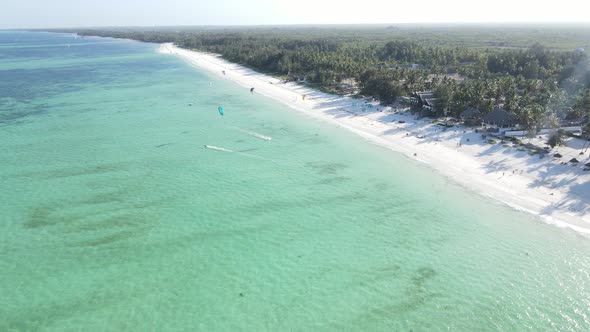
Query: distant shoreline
(505, 174)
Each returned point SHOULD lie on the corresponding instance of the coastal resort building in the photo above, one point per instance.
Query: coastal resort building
(429, 104)
(471, 116)
(426, 101)
(500, 120)
(410, 101)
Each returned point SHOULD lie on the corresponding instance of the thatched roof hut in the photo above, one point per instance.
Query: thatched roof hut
(470, 113)
(500, 118)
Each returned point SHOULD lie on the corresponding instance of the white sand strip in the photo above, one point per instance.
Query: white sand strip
(559, 193)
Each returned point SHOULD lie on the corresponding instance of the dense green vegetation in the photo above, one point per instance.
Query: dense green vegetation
(540, 74)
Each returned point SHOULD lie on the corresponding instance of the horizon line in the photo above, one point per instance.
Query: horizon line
(520, 23)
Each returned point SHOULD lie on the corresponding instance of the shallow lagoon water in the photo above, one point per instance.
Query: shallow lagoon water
(115, 216)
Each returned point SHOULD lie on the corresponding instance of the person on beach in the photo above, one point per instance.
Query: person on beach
(251, 90)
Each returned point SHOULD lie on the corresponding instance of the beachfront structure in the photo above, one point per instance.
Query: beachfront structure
(576, 130)
(428, 104)
(412, 101)
(500, 120)
(471, 116)
(426, 100)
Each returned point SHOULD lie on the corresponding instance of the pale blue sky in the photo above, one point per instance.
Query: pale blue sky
(81, 13)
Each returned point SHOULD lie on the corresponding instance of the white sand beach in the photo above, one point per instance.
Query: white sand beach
(559, 193)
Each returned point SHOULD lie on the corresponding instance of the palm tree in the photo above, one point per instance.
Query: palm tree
(530, 116)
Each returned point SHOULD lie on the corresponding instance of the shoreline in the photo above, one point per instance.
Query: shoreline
(559, 194)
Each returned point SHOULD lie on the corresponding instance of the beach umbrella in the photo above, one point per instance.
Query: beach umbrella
(574, 160)
(587, 165)
(557, 155)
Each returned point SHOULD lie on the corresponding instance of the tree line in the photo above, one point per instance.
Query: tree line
(537, 84)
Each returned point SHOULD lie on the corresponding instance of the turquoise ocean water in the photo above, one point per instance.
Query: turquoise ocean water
(116, 218)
